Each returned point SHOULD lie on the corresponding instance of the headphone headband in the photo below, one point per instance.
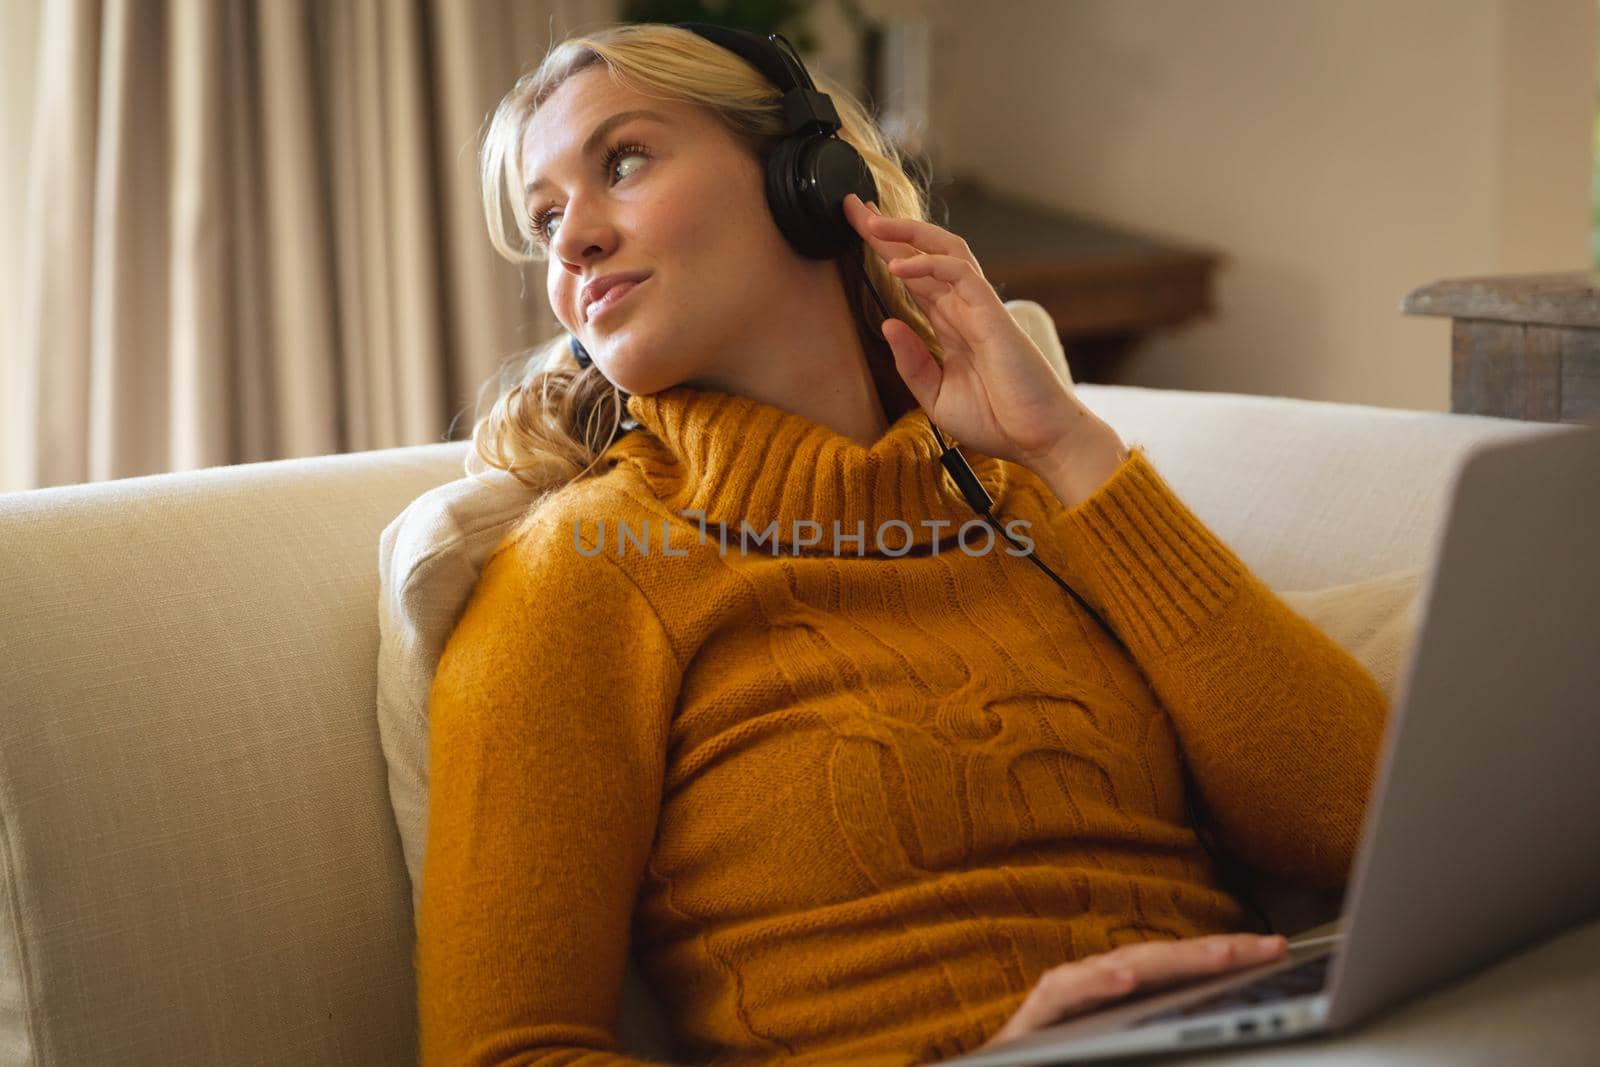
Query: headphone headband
(805, 109)
(812, 169)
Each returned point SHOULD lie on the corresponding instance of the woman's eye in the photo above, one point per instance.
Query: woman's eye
(613, 156)
(624, 154)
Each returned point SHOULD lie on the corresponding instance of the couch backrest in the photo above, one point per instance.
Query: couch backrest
(1309, 493)
(199, 862)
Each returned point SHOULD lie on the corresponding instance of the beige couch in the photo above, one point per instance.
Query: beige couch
(198, 857)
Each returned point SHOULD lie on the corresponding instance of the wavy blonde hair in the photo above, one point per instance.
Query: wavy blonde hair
(557, 418)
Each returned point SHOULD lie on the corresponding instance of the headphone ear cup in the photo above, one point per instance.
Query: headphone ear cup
(808, 178)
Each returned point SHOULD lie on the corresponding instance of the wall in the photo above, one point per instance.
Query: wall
(1338, 154)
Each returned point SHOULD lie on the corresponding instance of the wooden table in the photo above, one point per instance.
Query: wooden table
(1522, 346)
(1105, 287)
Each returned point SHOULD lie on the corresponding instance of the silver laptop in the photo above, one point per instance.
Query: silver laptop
(1483, 832)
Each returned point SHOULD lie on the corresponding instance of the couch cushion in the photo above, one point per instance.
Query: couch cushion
(199, 860)
(1375, 620)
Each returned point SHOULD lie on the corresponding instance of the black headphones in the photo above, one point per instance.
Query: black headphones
(810, 171)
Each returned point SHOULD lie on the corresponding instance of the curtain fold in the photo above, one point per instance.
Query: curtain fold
(254, 228)
(202, 381)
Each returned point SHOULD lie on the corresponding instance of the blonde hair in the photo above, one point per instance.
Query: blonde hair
(557, 417)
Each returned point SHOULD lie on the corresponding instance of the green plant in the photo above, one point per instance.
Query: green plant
(1594, 191)
(1594, 187)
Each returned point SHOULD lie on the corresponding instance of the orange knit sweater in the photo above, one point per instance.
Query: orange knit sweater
(847, 806)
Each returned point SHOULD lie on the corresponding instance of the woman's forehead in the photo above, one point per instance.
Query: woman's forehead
(559, 127)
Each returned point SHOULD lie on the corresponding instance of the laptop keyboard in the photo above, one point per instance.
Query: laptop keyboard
(1303, 979)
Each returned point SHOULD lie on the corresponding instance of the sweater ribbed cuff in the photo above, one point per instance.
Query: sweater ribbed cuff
(1145, 561)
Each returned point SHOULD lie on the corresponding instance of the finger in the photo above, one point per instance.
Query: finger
(1069, 989)
(1157, 964)
(887, 250)
(1082, 985)
(953, 319)
(920, 371)
(861, 218)
(919, 234)
(930, 297)
(957, 273)
(927, 291)
(858, 215)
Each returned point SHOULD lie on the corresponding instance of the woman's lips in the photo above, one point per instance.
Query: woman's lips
(612, 297)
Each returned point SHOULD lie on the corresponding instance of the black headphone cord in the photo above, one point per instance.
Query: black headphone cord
(978, 498)
(981, 502)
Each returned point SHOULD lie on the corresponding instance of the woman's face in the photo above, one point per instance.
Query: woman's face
(688, 206)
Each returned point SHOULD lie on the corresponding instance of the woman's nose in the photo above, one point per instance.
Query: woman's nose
(579, 233)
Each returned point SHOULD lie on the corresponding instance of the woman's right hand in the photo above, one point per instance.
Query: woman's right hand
(1083, 985)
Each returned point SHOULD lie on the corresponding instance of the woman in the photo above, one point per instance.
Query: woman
(857, 788)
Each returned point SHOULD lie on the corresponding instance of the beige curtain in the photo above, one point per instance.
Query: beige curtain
(254, 230)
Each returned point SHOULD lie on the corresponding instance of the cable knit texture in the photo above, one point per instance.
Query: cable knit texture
(845, 801)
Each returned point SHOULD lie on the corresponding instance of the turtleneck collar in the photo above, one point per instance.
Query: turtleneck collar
(736, 460)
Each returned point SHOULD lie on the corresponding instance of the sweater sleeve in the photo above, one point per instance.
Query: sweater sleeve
(548, 729)
(1280, 726)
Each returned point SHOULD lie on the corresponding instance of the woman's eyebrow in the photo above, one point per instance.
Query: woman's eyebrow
(598, 135)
